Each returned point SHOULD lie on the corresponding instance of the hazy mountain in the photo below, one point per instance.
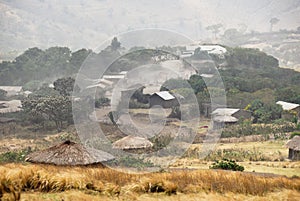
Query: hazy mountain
(79, 23)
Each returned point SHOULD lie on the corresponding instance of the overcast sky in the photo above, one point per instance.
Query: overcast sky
(81, 23)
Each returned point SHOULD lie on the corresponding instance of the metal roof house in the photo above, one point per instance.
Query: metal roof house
(208, 108)
(225, 111)
(11, 90)
(294, 148)
(290, 110)
(10, 106)
(225, 116)
(287, 105)
(164, 99)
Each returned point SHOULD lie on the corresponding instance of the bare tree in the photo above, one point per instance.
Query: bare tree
(215, 29)
(273, 21)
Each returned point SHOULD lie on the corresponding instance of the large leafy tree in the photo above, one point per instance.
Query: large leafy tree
(54, 108)
(41, 65)
(273, 21)
(174, 84)
(215, 29)
(78, 57)
(197, 83)
(65, 86)
(115, 44)
(264, 113)
(247, 57)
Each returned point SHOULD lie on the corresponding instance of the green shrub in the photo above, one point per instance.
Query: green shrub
(11, 156)
(102, 102)
(245, 129)
(161, 141)
(129, 161)
(227, 164)
(136, 104)
(294, 134)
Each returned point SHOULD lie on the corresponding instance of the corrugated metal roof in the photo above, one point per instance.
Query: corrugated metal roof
(225, 119)
(224, 111)
(11, 88)
(165, 95)
(207, 75)
(287, 106)
(106, 82)
(10, 106)
(113, 76)
(96, 85)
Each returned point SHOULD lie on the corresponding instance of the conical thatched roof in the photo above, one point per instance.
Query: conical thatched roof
(294, 143)
(132, 142)
(69, 153)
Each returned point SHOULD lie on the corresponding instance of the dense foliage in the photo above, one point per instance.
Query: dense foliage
(249, 75)
(227, 164)
(54, 108)
(264, 113)
(250, 58)
(41, 65)
(65, 86)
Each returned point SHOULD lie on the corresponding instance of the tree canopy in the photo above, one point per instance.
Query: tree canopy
(264, 113)
(54, 108)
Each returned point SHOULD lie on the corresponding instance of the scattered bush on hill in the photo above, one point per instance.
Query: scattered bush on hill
(227, 164)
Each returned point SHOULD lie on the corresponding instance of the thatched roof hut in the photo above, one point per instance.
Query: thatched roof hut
(69, 153)
(294, 148)
(294, 143)
(132, 142)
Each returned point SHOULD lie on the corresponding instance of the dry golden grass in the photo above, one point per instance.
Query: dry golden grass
(72, 195)
(15, 179)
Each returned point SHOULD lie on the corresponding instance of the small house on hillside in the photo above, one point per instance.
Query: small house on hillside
(237, 113)
(208, 108)
(227, 116)
(221, 121)
(164, 99)
(294, 148)
(69, 153)
(11, 90)
(10, 106)
(290, 110)
(132, 143)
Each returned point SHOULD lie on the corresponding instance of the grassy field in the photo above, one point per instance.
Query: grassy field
(43, 182)
(188, 179)
(72, 195)
(263, 157)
